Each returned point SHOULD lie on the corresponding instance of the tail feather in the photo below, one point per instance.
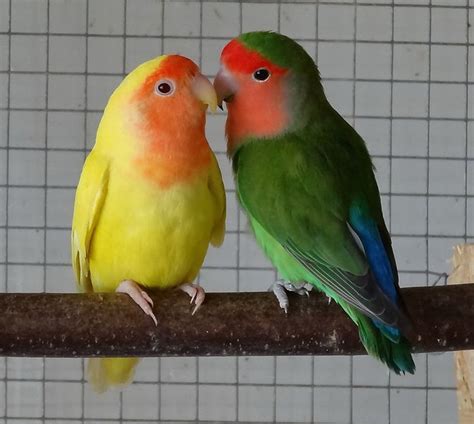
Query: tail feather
(391, 333)
(382, 342)
(105, 373)
(395, 354)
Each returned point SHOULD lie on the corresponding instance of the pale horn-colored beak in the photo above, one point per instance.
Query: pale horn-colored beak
(204, 91)
(225, 86)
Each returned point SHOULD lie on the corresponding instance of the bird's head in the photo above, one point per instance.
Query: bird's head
(265, 78)
(154, 121)
(164, 97)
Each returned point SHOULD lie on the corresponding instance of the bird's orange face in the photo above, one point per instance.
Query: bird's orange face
(167, 115)
(173, 99)
(255, 92)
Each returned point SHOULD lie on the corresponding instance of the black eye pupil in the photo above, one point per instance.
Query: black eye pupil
(261, 74)
(164, 88)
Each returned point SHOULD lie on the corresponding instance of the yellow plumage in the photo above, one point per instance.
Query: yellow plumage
(137, 214)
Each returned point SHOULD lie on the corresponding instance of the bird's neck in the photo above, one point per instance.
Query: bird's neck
(248, 118)
(160, 153)
(168, 162)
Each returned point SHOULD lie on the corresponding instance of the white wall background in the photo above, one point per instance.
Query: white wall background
(402, 72)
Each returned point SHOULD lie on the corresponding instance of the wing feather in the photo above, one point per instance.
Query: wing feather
(362, 292)
(216, 187)
(307, 212)
(90, 196)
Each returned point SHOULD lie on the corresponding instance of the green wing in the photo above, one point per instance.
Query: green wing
(299, 194)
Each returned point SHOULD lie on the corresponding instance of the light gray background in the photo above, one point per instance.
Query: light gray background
(402, 72)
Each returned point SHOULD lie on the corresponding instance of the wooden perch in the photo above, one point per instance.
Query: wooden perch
(70, 325)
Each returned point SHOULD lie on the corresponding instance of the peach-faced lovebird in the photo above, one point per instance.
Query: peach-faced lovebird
(150, 198)
(305, 179)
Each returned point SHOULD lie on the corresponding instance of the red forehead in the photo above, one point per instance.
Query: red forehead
(237, 57)
(176, 65)
(173, 66)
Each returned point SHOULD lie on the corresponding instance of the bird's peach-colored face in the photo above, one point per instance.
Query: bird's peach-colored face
(169, 108)
(167, 100)
(255, 92)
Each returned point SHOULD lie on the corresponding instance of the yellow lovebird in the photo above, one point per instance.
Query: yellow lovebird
(150, 198)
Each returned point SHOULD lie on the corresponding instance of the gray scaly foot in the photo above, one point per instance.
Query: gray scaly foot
(280, 287)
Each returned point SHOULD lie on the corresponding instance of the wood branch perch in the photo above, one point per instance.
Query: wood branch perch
(71, 325)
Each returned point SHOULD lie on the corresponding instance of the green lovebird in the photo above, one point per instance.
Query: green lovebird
(305, 179)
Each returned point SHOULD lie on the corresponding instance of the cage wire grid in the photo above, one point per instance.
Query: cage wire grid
(401, 72)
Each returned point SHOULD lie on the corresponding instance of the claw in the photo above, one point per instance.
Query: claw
(280, 287)
(147, 297)
(197, 294)
(279, 291)
(139, 296)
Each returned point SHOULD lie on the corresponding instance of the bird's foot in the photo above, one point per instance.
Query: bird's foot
(139, 296)
(280, 287)
(196, 293)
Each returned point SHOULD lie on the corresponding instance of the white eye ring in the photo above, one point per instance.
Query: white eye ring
(164, 87)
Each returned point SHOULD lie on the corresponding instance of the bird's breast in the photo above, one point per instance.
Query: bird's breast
(154, 235)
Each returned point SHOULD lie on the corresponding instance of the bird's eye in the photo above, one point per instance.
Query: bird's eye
(261, 75)
(164, 87)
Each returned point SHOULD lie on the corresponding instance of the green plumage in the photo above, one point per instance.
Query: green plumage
(302, 189)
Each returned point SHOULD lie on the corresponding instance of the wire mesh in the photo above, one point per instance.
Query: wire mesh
(400, 71)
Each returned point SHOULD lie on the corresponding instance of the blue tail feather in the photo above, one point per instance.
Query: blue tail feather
(392, 333)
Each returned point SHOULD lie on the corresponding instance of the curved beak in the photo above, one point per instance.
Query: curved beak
(225, 86)
(204, 91)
